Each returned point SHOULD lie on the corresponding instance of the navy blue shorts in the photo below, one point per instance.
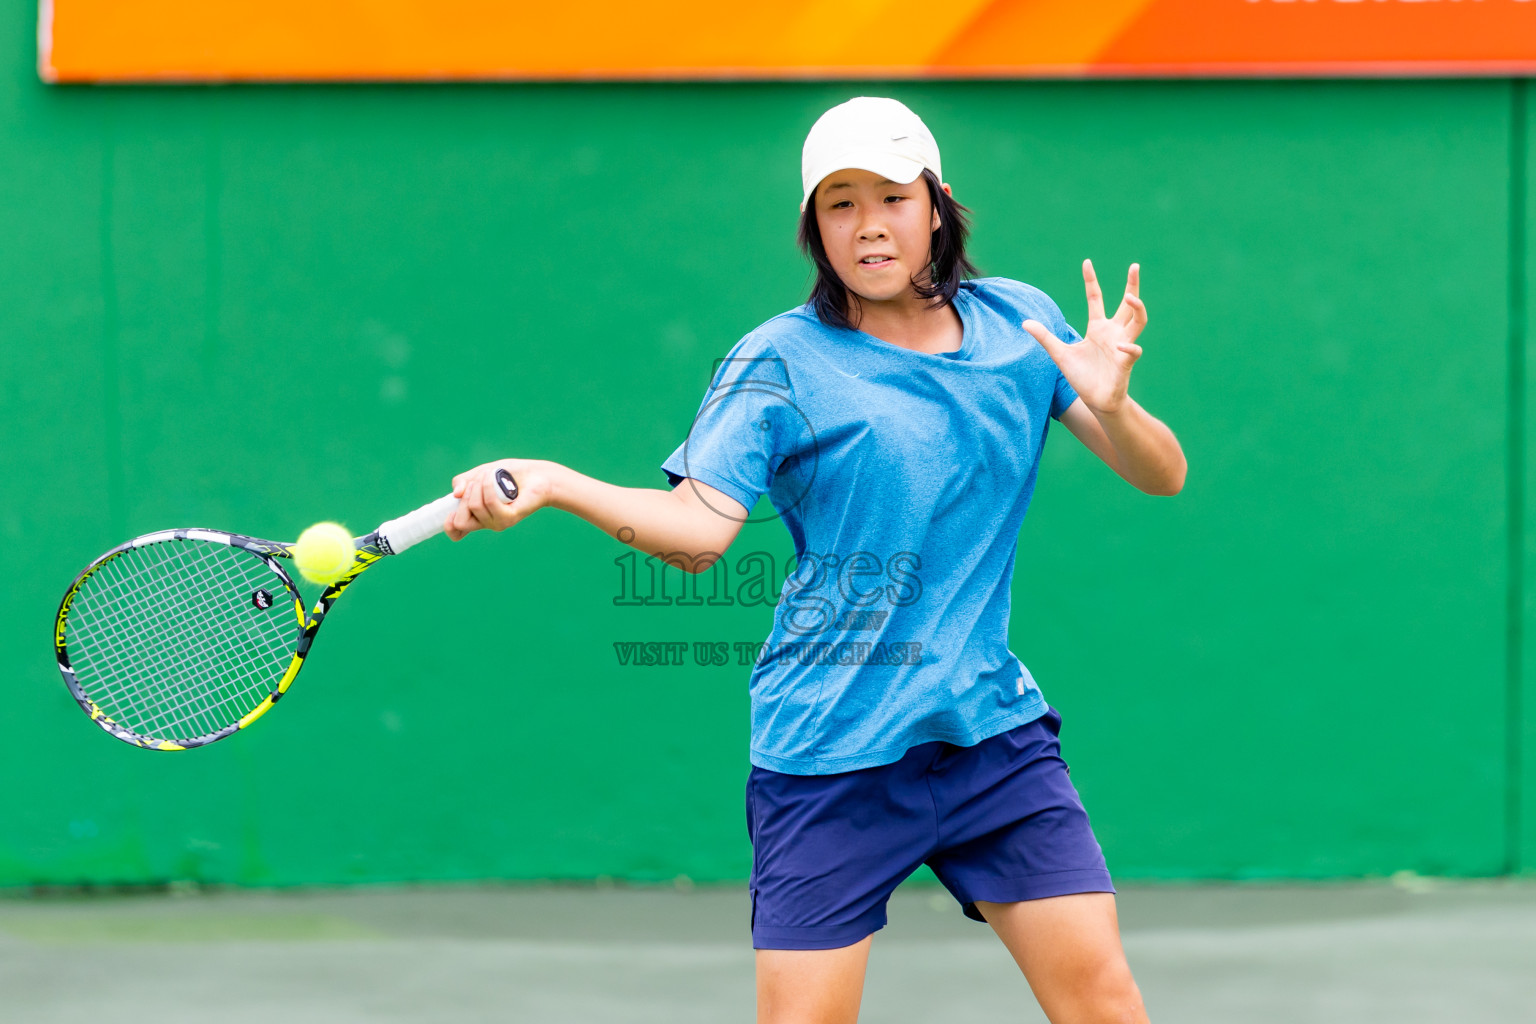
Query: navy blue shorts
(999, 821)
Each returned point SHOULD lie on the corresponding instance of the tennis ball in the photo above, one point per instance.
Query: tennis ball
(324, 553)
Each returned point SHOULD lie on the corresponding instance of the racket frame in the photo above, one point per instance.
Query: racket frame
(369, 550)
(391, 538)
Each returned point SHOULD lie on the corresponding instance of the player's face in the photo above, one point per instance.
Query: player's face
(877, 234)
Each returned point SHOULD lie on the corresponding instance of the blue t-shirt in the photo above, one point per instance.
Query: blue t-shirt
(903, 478)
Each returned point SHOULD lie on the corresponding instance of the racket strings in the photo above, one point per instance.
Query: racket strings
(185, 687)
(213, 698)
(157, 702)
(168, 641)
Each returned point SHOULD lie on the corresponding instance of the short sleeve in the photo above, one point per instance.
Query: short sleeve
(743, 431)
(1019, 301)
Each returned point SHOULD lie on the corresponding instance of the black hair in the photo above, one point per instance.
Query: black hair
(948, 264)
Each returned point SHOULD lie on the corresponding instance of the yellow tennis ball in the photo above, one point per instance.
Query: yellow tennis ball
(324, 553)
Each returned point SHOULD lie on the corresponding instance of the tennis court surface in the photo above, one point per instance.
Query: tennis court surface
(1406, 951)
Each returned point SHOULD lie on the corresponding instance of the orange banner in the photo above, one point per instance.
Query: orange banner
(414, 40)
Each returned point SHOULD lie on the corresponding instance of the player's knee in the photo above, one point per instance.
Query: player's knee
(1107, 996)
(1115, 1000)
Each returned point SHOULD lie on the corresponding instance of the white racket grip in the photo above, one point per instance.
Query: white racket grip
(414, 527)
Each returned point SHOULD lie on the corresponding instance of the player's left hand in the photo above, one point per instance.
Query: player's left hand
(1099, 366)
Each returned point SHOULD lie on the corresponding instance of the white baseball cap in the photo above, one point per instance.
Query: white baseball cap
(872, 134)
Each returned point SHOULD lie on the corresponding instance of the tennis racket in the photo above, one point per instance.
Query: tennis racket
(179, 638)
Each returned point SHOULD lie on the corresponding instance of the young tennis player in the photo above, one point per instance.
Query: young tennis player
(896, 422)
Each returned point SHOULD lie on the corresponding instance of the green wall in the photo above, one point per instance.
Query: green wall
(257, 307)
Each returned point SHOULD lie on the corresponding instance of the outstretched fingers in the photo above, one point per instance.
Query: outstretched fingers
(1095, 293)
(1132, 313)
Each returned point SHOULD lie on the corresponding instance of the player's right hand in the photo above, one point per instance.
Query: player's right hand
(482, 504)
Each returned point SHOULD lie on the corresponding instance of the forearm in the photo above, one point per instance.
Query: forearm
(653, 521)
(1147, 454)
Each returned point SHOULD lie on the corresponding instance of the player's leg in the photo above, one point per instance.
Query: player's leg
(811, 986)
(1018, 851)
(1069, 950)
(827, 852)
